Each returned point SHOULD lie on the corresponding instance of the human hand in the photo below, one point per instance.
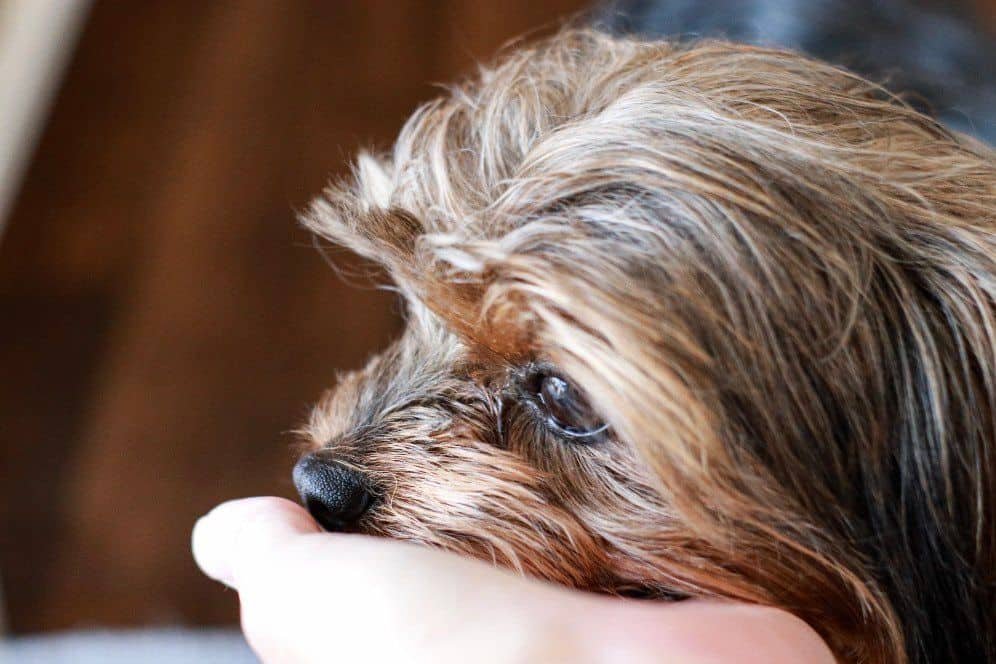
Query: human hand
(309, 596)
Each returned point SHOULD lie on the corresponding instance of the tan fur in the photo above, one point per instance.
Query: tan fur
(776, 284)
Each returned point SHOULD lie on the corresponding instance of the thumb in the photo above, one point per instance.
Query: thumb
(234, 536)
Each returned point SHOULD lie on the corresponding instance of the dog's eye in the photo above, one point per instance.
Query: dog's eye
(565, 409)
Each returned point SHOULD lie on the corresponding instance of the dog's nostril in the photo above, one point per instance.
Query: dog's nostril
(336, 496)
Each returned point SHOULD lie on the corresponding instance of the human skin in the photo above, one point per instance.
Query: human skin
(310, 596)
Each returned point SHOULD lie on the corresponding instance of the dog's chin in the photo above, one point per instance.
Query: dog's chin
(563, 569)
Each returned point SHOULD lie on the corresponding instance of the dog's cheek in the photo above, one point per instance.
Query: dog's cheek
(609, 492)
(467, 497)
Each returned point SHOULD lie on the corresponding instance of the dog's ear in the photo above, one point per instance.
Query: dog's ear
(361, 216)
(374, 180)
(367, 214)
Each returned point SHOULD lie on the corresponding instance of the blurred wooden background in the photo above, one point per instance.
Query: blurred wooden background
(165, 322)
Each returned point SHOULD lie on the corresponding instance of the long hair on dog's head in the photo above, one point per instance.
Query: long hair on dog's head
(773, 283)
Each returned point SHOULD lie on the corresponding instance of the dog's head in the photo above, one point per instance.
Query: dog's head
(706, 320)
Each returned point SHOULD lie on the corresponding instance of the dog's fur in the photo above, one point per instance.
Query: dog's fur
(775, 284)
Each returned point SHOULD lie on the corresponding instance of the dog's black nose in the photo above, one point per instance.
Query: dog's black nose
(335, 495)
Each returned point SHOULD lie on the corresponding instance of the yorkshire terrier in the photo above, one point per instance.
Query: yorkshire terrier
(683, 320)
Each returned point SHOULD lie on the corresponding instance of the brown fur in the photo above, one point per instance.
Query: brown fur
(776, 285)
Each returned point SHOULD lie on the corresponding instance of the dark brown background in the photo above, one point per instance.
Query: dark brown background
(164, 322)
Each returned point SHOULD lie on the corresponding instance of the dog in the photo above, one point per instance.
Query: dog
(682, 320)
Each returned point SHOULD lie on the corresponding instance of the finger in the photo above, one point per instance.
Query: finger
(699, 631)
(235, 534)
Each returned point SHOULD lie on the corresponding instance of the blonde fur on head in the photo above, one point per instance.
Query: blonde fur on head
(773, 283)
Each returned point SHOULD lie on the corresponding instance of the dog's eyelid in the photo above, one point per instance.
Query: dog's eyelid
(562, 406)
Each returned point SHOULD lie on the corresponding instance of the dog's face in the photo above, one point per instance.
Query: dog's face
(706, 321)
(499, 458)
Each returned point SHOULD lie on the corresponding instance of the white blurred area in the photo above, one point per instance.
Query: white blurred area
(36, 39)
